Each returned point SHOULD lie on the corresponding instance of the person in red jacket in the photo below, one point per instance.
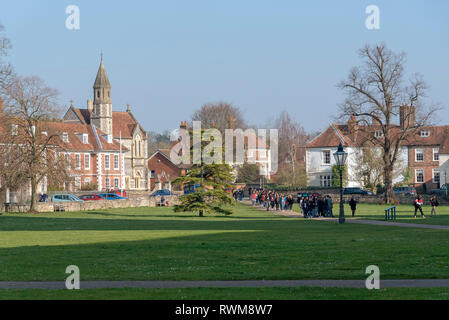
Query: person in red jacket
(418, 206)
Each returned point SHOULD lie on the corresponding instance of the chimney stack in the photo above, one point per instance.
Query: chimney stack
(127, 108)
(231, 122)
(184, 125)
(407, 117)
(90, 105)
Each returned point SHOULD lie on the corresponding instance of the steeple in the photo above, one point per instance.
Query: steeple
(102, 86)
(101, 115)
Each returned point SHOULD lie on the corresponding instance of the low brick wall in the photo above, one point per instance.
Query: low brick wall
(94, 205)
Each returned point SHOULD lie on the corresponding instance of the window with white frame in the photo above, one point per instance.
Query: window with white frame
(424, 133)
(116, 183)
(116, 162)
(152, 174)
(87, 161)
(65, 137)
(107, 183)
(14, 129)
(86, 181)
(85, 138)
(419, 176)
(436, 176)
(325, 181)
(67, 160)
(326, 157)
(107, 162)
(436, 154)
(419, 155)
(77, 161)
(378, 134)
(77, 182)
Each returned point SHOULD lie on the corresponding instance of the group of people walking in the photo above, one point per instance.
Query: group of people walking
(418, 204)
(309, 206)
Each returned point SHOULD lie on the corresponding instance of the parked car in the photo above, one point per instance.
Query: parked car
(162, 192)
(119, 192)
(444, 190)
(65, 198)
(111, 196)
(90, 197)
(408, 191)
(359, 191)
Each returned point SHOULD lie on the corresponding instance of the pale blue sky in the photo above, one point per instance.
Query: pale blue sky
(167, 58)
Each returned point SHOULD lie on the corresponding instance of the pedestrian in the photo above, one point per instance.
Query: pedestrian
(418, 206)
(434, 202)
(329, 206)
(353, 205)
(253, 198)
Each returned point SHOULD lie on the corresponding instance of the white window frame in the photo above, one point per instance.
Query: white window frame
(433, 175)
(416, 155)
(85, 138)
(416, 176)
(68, 159)
(107, 183)
(77, 162)
(152, 174)
(326, 180)
(77, 182)
(424, 133)
(65, 137)
(378, 134)
(436, 154)
(116, 156)
(87, 181)
(107, 164)
(87, 156)
(116, 183)
(323, 157)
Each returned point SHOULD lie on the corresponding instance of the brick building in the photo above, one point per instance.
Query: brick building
(162, 171)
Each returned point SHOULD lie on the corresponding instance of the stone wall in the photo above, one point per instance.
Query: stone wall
(94, 205)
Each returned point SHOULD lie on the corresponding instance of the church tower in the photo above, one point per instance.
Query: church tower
(101, 115)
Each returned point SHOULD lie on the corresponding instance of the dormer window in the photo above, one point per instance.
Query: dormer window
(424, 133)
(85, 138)
(109, 138)
(14, 130)
(65, 137)
(378, 134)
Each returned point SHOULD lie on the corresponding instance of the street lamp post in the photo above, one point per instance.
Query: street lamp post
(340, 157)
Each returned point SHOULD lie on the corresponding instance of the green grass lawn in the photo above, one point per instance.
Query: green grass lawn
(158, 244)
(404, 213)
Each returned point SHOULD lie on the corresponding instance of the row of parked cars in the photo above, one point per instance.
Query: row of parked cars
(86, 197)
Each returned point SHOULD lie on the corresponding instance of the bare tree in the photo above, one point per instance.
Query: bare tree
(220, 115)
(29, 104)
(6, 70)
(378, 95)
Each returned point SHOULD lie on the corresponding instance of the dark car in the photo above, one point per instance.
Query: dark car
(111, 196)
(162, 192)
(359, 191)
(90, 197)
(409, 191)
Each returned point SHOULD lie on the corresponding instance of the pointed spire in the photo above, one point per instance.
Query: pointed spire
(102, 80)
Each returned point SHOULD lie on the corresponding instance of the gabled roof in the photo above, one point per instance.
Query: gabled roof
(350, 136)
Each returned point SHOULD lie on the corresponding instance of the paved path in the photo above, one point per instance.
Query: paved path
(359, 221)
(410, 283)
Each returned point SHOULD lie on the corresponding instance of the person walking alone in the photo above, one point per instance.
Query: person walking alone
(418, 206)
(434, 202)
(353, 205)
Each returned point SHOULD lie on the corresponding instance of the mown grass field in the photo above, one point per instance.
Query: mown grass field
(158, 244)
(404, 213)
